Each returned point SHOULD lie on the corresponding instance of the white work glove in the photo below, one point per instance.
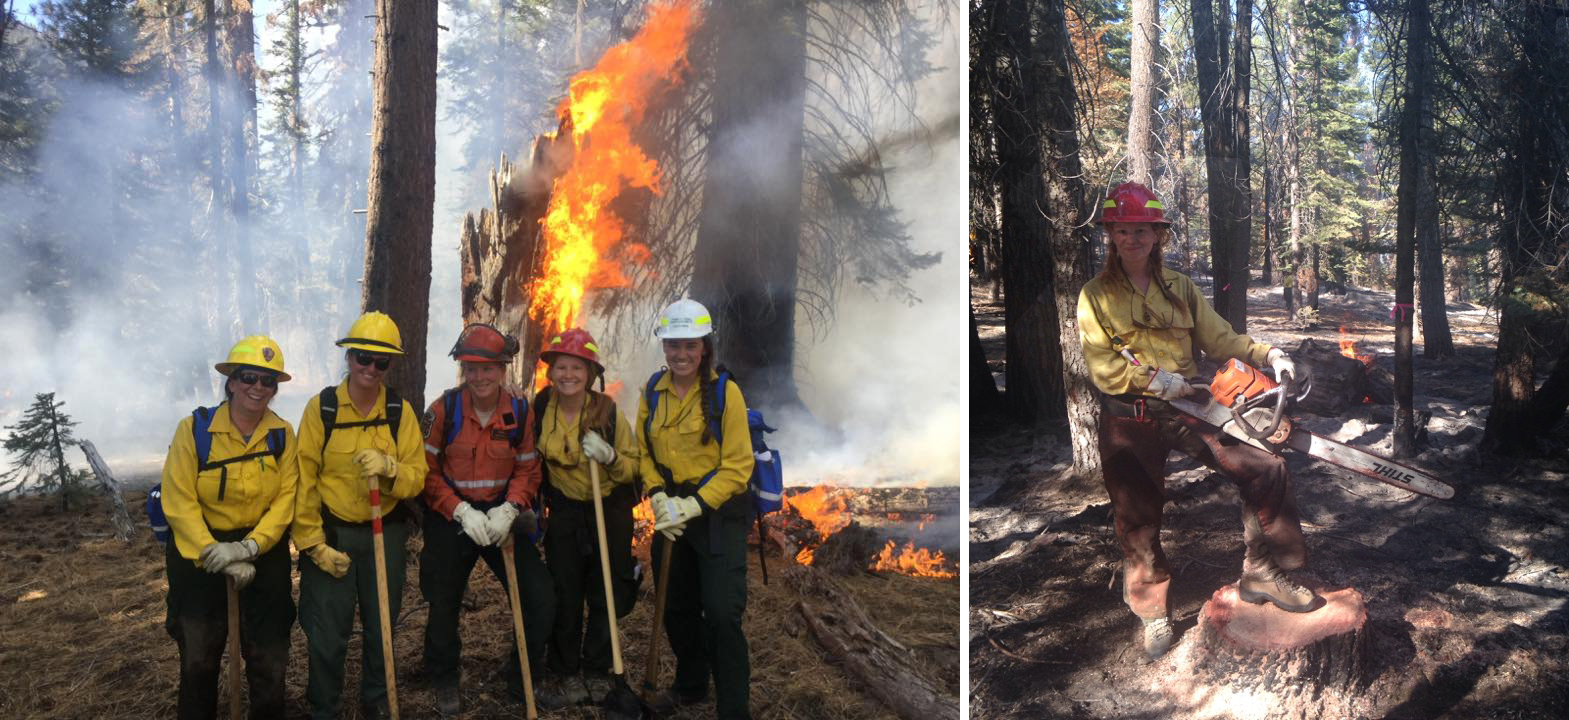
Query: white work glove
(475, 524)
(597, 449)
(242, 572)
(498, 521)
(217, 556)
(376, 463)
(331, 560)
(1282, 364)
(1169, 386)
(677, 513)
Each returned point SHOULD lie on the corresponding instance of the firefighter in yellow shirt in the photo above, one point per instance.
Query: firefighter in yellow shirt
(578, 424)
(1138, 324)
(228, 493)
(695, 467)
(348, 433)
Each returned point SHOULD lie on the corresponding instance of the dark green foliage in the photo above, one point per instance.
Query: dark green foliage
(38, 443)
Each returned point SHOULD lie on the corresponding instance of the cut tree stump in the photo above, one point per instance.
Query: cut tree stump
(1286, 660)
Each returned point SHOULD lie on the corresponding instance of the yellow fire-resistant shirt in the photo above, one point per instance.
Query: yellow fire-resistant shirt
(1155, 331)
(258, 493)
(677, 438)
(330, 477)
(566, 466)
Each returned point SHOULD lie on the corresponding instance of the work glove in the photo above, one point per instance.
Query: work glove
(1169, 386)
(527, 524)
(242, 572)
(375, 463)
(677, 513)
(498, 521)
(597, 449)
(474, 523)
(330, 561)
(1281, 363)
(217, 556)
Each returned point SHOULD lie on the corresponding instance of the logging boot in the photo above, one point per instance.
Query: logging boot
(1262, 579)
(1157, 636)
(449, 700)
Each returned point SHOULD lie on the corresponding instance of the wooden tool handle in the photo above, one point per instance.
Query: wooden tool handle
(517, 627)
(385, 609)
(235, 711)
(651, 672)
(604, 568)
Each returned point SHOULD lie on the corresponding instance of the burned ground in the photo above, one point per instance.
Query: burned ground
(81, 632)
(1466, 597)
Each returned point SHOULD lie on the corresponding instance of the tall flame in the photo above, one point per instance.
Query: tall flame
(913, 561)
(582, 237)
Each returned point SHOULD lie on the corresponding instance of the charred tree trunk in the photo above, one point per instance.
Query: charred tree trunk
(403, 182)
(749, 235)
(984, 398)
(1145, 16)
(1411, 153)
(1552, 399)
(1223, 75)
(1067, 213)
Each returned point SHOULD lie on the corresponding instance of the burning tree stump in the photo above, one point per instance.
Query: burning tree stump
(1339, 382)
(1263, 650)
(841, 628)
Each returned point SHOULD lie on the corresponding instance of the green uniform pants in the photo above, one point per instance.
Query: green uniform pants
(703, 609)
(572, 550)
(327, 606)
(444, 569)
(198, 620)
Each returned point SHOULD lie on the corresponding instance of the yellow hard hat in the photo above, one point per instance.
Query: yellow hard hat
(374, 332)
(256, 351)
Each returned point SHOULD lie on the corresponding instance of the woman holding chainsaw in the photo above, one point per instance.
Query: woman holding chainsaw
(353, 435)
(697, 458)
(1138, 325)
(480, 499)
(574, 423)
(228, 494)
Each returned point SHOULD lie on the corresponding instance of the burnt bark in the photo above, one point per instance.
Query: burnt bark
(1145, 16)
(1403, 439)
(1223, 75)
(745, 263)
(984, 398)
(399, 220)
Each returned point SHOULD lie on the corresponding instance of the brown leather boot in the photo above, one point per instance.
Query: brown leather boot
(1262, 579)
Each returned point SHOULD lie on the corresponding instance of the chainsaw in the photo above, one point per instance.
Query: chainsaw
(1246, 404)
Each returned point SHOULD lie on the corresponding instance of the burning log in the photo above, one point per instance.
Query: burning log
(1263, 651)
(841, 628)
(1339, 381)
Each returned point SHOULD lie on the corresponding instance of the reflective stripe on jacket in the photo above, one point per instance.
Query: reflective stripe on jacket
(481, 460)
(258, 493)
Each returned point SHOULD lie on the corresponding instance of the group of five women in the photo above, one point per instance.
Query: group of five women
(487, 468)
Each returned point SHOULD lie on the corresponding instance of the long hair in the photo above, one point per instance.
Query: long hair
(597, 406)
(705, 386)
(1115, 271)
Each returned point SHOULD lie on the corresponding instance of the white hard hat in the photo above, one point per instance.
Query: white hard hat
(684, 319)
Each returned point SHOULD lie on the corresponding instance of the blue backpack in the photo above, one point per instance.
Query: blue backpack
(201, 421)
(766, 486)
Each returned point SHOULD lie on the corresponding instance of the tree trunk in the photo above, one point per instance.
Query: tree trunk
(1070, 247)
(1223, 75)
(403, 182)
(1403, 440)
(749, 235)
(1029, 311)
(1437, 342)
(241, 42)
(1552, 399)
(124, 529)
(984, 399)
(1141, 97)
(62, 471)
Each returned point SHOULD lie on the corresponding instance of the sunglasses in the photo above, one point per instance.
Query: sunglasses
(364, 358)
(249, 378)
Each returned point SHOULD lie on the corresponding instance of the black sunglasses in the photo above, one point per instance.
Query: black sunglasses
(382, 362)
(267, 380)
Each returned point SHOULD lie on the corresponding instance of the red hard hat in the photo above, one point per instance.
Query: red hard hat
(1131, 202)
(575, 342)
(484, 343)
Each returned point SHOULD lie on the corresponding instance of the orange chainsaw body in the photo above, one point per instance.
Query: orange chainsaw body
(1237, 382)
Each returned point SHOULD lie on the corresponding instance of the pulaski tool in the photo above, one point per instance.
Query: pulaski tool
(1246, 404)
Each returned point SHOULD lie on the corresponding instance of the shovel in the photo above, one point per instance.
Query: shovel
(380, 545)
(517, 627)
(235, 712)
(651, 671)
(621, 701)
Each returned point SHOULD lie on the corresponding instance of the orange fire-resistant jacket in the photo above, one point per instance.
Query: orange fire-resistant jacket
(481, 461)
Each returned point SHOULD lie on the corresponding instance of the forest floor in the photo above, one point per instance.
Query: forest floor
(1466, 598)
(82, 636)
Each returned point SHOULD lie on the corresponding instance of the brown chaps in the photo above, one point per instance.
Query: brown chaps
(1134, 443)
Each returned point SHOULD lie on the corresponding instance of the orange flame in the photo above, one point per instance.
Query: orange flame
(1348, 348)
(603, 107)
(825, 508)
(912, 560)
(643, 523)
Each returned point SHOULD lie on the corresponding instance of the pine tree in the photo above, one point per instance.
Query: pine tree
(39, 442)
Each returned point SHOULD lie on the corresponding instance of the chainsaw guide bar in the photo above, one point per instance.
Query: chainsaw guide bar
(1340, 454)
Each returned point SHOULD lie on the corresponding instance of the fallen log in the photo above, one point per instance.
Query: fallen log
(883, 665)
(123, 527)
(1339, 382)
